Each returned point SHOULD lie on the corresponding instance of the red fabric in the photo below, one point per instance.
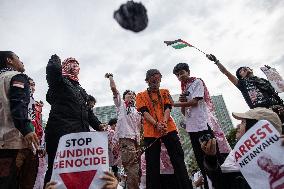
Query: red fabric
(37, 121)
(207, 98)
(127, 104)
(68, 68)
(223, 144)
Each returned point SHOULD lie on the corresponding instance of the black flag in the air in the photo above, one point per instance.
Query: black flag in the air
(132, 16)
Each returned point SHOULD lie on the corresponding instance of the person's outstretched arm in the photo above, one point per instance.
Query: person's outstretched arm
(222, 68)
(190, 103)
(112, 84)
(116, 95)
(54, 71)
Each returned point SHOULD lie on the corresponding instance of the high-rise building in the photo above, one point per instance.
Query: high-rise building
(222, 113)
(105, 113)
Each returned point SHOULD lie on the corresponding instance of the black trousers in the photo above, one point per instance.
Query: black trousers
(8, 171)
(169, 181)
(18, 168)
(198, 152)
(175, 151)
(51, 148)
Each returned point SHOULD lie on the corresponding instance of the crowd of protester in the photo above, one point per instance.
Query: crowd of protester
(145, 150)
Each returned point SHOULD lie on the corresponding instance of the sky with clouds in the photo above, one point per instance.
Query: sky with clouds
(240, 32)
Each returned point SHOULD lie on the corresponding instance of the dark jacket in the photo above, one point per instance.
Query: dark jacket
(19, 101)
(69, 112)
(265, 94)
(220, 180)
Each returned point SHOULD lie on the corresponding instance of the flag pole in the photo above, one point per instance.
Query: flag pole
(192, 46)
(199, 50)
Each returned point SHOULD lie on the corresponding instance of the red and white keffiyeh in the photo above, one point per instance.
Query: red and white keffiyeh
(207, 98)
(223, 144)
(70, 68)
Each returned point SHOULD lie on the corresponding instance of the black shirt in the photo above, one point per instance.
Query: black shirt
(19, 96)
(258, 92)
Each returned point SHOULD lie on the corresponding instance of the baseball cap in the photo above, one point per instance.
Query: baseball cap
(261, 114)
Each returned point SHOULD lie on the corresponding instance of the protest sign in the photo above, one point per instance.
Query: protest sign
(80, 160)
(260, 156)
(274, 78)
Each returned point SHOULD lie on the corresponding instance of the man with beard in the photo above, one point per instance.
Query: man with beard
(155, 105)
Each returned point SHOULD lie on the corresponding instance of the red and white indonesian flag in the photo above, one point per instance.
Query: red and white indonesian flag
(80, 161)
(178, 44)
(260, 156)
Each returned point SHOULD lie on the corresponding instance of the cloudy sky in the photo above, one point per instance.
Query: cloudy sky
(240, 32)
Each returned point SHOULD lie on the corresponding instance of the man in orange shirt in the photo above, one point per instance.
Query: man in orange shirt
(155, 104)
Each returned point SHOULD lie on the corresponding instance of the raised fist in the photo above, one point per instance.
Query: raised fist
(211, 57)
(54, 59)
(107, 75)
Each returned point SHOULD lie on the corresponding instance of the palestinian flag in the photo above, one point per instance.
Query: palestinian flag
(178, 44)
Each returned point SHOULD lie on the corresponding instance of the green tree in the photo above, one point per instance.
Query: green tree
(231, 137)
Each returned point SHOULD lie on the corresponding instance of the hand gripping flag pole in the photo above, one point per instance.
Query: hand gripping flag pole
(179, 44)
